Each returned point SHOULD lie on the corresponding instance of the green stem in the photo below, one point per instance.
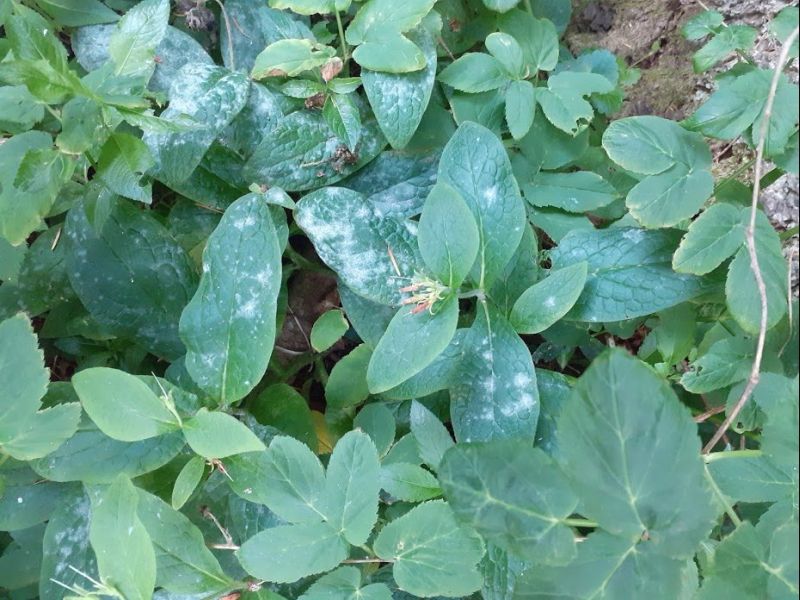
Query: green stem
(723, 500)
(715, 456)
(345, 55)
(528, 7)
(580, 523)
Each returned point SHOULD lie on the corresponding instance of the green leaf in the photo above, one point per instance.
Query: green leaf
(259, 26)
(132, 46)
(538, 38)
(377, 18)
(310, 7)
(741, 292)
(651, 482)
(393, 54)
(209, 95)
(432, 438)
(342, 116)
(347, 383)
(493, 394)
(184, 564)
(630, 273)
(290, 552)
(678, 162)
(294, 481)
(399, 99)
(217, 435)
(411, 342)
(23, 203)
(187, 481)
(520, 273)
(81, 125)
(328, 329)
(500, 5)
(345, 584)
(563, 100)
(288, 58)
(408, 483)
(26, 500)
(31, 39)
(447, 235)
(76, 13)
(130, 245)
(777, 396)
(123, 406)
(546, 302)
(751, 478)
(611, 567)
(352, 487)
(229, 325)
(476, 165)
(561, 149)
(520, 107)
(19, 110)
(431, 554)
(725, 41)
(93, 457)
(505, 49)
(122, 165)
(514, 496)
(363, 247)
(743, 565)
(579, 191)
(711, 239)
(23, 376)
(474, 72)
(651, 145)
(726, 362)
(702, 24)
(303, 153)
(783, 24)
(377, 421)
(66, 546)
(114, 522)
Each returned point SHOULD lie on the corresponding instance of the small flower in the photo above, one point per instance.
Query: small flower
(425, 293)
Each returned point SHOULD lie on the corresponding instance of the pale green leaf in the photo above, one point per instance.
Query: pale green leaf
(514, 496)
(544, 303)
(290, 552)
(114, 525)
(122, 406)
(229, 325)
(218, 434)
(648, 482)
(411, 342)
(432, 555)
(352, 487)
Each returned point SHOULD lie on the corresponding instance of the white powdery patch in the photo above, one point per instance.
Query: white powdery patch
(522, 380)
(244, 223)
(634, 235)
(550, 302)
(263, 277)
(490, 195)
(247, 310)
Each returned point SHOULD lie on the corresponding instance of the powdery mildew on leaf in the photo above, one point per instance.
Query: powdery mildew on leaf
(356, 242)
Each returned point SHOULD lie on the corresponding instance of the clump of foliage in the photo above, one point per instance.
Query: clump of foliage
(544, 313)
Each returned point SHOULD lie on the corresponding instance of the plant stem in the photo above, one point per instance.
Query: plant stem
(750, 237)
(723, 500)
(528, 7)
(579, 523)
(715, 456)
(345, 55)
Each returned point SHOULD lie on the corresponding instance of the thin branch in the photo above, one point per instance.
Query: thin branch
(228, 31)
(750, 236)
(709, 413)
(722, 499)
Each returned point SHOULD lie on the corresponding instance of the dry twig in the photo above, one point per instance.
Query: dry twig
(750, 238)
